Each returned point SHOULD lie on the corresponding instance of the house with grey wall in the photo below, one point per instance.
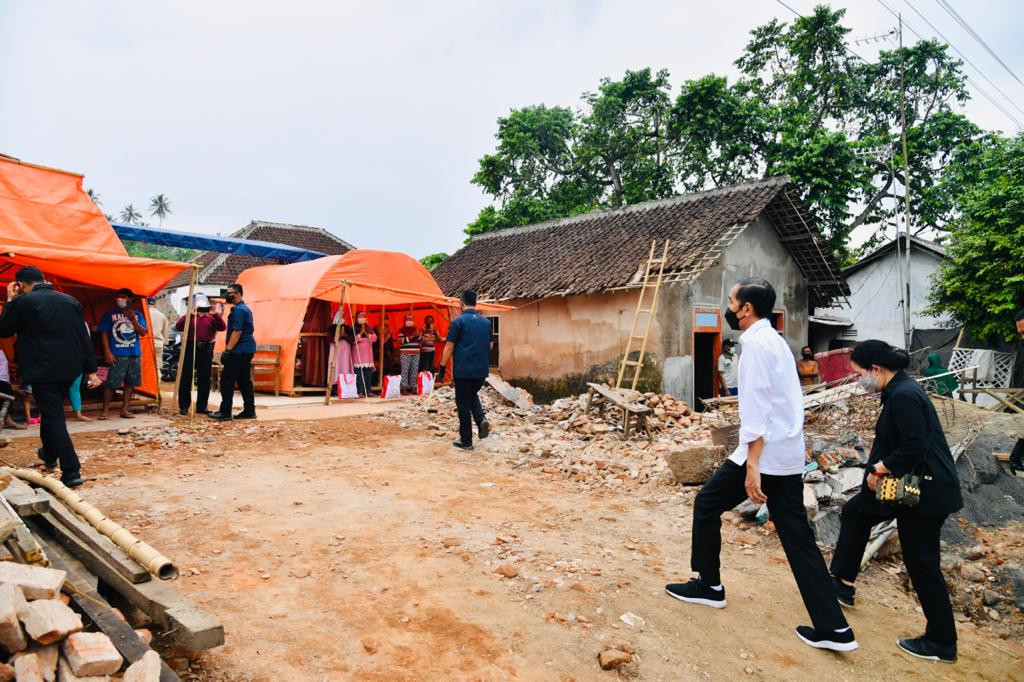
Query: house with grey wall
(574, 285)
(876, 297)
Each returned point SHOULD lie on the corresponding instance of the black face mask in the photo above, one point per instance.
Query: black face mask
(230, 298)
(808, 356)
(732, 319)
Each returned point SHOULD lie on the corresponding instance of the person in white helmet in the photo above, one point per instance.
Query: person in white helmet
(205, 324)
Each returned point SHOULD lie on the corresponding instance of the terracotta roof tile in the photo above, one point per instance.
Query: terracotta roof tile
(602, 250)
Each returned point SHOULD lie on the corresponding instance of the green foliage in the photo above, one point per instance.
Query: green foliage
(160, 208)
(983, 285)
(802, 106)
(144, 250)
(130, 215)
(433, 260)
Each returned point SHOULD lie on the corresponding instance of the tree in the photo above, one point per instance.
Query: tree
(160, 207)
(433, 260)
(130, 215)
(983, 284)
(803, 106)
(94, 195)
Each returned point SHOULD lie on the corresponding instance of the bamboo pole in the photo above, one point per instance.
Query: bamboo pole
(189, 308)
(380, 337)
(337, 339)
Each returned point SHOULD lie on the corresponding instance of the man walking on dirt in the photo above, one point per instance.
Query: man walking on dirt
(767, 467)
(53, 349)
(469, 341)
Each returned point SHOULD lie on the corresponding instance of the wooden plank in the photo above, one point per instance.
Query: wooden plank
(27, 505)
(92, 604)
(98, 542)
(186, 625)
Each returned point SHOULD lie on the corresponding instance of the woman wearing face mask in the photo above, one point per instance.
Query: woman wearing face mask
(807, 367)
(908, 438)
(362, 353)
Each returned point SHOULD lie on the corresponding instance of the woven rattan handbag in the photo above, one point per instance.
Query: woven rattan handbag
(899, 491)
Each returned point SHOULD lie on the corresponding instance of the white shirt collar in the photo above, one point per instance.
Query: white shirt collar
(753, 328)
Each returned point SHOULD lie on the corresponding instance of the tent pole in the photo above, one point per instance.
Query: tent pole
(189, 304)
(337, 340)
(380, 374)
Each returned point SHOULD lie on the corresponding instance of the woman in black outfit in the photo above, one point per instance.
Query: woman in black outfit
(908, 437)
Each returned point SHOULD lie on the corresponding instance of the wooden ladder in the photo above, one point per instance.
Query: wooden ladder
(651, 282)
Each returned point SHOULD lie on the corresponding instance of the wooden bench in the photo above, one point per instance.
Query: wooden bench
(634, 416)
(267, 358)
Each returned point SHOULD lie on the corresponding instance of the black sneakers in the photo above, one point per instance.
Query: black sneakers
(697, 592)
(823, 639)
(484, 429)
(928, 650)
(844, 593)
(219, 417)
(245, 415)
(72, 482)
(459, 444)
(47, 462)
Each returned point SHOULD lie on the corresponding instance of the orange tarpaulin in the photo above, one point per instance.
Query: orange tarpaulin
(47, 220)
(280, 294)
(48, 206)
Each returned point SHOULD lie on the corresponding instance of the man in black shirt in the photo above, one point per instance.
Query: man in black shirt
(52, 349)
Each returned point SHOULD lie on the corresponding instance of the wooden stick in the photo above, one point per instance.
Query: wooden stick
(190, 306)
(337, 337)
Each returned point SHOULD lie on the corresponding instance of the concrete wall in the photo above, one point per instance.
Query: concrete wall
(875, 298)
(557, 337)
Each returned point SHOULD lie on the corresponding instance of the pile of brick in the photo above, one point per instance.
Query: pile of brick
(668, 414)
(46, 640)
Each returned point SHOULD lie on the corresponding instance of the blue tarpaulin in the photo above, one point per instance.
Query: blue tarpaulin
(205, 242)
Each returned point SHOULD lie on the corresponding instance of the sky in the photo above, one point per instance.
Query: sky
(365, 118)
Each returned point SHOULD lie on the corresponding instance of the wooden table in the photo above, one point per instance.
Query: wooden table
(634, 416)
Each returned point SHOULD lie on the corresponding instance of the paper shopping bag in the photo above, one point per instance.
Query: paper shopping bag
(347, 386)
(392, 387)
(424, 383)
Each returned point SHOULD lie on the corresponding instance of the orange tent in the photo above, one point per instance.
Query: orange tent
(47, 206)
(47, 220)
(294, 302)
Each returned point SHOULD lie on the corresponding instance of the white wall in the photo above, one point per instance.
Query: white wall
(875, 297)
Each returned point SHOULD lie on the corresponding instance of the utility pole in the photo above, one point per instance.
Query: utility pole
(906, 195)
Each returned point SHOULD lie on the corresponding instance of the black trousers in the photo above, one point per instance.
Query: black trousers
(236, 371)
(53, 430)
(467, 402)
(919, 540)
(203, 367)
(724, 491)
(364, 380)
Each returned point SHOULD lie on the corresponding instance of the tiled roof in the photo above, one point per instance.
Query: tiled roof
(602, 250)
(224, 269)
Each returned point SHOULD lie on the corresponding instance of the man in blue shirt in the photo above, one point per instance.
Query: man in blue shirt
(237, 359)
(469, 340)
(121, 328)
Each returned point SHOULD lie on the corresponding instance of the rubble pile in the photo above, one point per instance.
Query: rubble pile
(667, 414)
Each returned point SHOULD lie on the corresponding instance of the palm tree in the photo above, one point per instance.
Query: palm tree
(130, 215)
(160, 206)
(95, 196)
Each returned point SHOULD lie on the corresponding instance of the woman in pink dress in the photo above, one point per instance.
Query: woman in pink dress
(343, 351)
(362, 353)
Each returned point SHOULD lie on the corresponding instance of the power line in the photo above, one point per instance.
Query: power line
(967, 78)
(967, 27)
(973, 65)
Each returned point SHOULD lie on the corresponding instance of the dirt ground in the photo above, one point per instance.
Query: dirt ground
(354, 548)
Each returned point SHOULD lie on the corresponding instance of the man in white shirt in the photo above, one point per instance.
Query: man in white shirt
(161, 331)
(767, 467)
(728, 378)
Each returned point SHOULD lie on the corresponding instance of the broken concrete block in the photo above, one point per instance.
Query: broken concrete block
(50, 620)
(91, 653)
(29, 668)
(826, 527)
(35, 582)
(11, 603)
(810, 501)
(64, 674)
(47, 656)
(695, 465)
(613, 658)
(146, 669)
(845, 480)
